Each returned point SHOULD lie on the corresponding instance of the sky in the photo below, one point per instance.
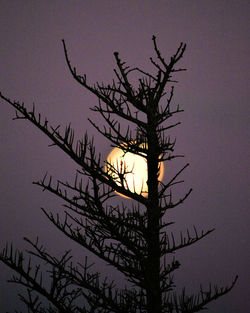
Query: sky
(213, 134)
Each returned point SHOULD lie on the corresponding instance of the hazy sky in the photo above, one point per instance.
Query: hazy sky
(213, 135)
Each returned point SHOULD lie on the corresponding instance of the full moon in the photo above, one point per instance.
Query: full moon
(132, 168)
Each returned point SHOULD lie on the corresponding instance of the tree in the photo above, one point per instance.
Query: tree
(137, 241)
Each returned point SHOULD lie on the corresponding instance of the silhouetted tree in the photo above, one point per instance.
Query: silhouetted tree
(137, 240)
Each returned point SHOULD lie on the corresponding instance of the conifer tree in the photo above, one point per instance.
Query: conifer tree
(134, 237)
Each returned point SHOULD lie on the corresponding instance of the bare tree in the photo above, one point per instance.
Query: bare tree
(137, 240)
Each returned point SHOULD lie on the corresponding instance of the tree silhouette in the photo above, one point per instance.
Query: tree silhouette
(134, 237)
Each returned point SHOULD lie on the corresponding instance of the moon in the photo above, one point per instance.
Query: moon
(130, 170)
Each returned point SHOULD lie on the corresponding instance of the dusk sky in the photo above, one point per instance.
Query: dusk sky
(214, 134)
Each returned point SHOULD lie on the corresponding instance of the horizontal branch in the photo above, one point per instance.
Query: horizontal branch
(198, 302)
(168, 244)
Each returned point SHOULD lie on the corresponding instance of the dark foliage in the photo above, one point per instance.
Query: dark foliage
(136, 240)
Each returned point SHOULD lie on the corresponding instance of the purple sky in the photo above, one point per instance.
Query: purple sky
(213, 135)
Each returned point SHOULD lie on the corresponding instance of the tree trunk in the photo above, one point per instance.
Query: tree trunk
(153, 236)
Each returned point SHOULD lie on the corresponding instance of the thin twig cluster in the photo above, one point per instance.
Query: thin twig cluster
(133, 237)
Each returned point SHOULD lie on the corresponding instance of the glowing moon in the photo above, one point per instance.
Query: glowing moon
(130, 170)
